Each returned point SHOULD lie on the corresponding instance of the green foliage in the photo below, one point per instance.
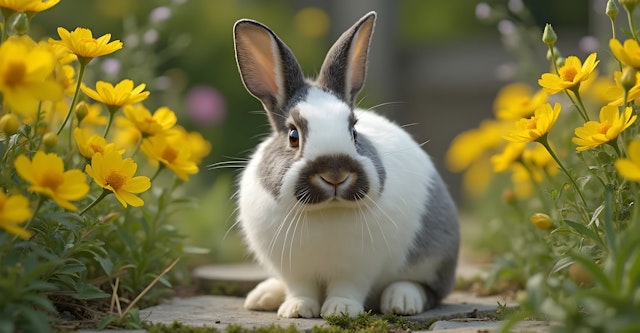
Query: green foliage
(65, 268)
(570, 233)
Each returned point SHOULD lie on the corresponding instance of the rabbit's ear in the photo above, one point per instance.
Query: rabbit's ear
(343, 70)
(269, 70)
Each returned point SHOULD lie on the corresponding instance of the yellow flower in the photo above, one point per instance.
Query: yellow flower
(512, 153)
(627, 53)
(94, 116)
(125, 134)
(616, 93)
(26, 75)
(161, 121)
(522, 181)
(532, 129)
(570, 74)
(115, 174)
(629, 168)
(198, 146)
(517, 100)
(14, 210)
(47, 177)
(470, 145)
(539, 159)
(114, 97)
(90, 144)
(611, 124)
(29, 6)
(541, 221)
(81, 43)
(171, 153)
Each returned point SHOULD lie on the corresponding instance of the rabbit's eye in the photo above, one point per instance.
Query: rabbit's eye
(294, 138)
(354, 134)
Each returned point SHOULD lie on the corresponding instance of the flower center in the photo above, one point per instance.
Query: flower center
(116, 179)
(15, 73)
(51, 179)
(169, 154)
(603, 128)
(532, 123)
(96, 148)
(568, 74)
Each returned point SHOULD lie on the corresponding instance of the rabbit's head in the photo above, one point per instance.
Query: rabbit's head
(315, 153)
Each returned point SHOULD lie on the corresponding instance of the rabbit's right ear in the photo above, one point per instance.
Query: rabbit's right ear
(268, 68)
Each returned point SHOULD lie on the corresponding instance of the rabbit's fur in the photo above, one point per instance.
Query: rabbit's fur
(339, 204)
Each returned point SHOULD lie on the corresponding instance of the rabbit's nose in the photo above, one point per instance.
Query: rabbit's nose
(334, 179)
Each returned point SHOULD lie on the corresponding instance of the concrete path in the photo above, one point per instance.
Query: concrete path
(460, 312)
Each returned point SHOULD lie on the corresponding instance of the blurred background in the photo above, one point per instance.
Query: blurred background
(434, 64)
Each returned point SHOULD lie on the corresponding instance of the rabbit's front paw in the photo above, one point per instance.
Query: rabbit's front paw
(403, 298)
(295, 307)
(336, 306)
(266, 296)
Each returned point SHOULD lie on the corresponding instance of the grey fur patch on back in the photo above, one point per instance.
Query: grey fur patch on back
(365, 148)
(438, 237)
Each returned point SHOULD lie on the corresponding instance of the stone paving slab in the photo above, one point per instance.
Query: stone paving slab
(477, 325)
(221, 311)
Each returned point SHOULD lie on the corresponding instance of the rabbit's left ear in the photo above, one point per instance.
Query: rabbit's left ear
(344, 68)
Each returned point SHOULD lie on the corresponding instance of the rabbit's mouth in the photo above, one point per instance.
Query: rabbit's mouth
(333, 178)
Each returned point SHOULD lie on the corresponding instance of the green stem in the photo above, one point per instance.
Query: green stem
(36, 124)
(41, 200)
(160, 168)
(6, 15)
(632, 26)
(544, 142)
(580, 105)
(104, 193)
(553, 60)
(106, 130)
(535, 184)
(83, 65)
(614, 143)
(137, 149)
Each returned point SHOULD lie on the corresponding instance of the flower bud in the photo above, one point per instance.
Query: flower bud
(21, 23)
(541, 221)
(50, 140)
(549, 36)
(556, 53)
(82, 110)
(579, 275)
(509, 196)
(9, 124)
(629, 5)
(612, 9)
(628, 78)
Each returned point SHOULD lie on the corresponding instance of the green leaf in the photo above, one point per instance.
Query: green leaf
(104, 261)
(70, 269)
(594, 270)
(106, 321)
(40, 301)
(562, 264)
(89, 291)
(37, 321)
(584, 231)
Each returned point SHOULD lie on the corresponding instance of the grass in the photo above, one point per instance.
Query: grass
(364, 323)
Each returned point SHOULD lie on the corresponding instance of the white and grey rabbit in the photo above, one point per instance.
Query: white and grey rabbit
(339, 204)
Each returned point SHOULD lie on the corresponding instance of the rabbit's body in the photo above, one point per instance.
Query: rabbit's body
(339, 204)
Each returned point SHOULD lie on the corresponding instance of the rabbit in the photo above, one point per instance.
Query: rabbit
(340, 205)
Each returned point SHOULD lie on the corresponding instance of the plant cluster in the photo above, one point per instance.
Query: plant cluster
(571, 148)
(88, 177)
